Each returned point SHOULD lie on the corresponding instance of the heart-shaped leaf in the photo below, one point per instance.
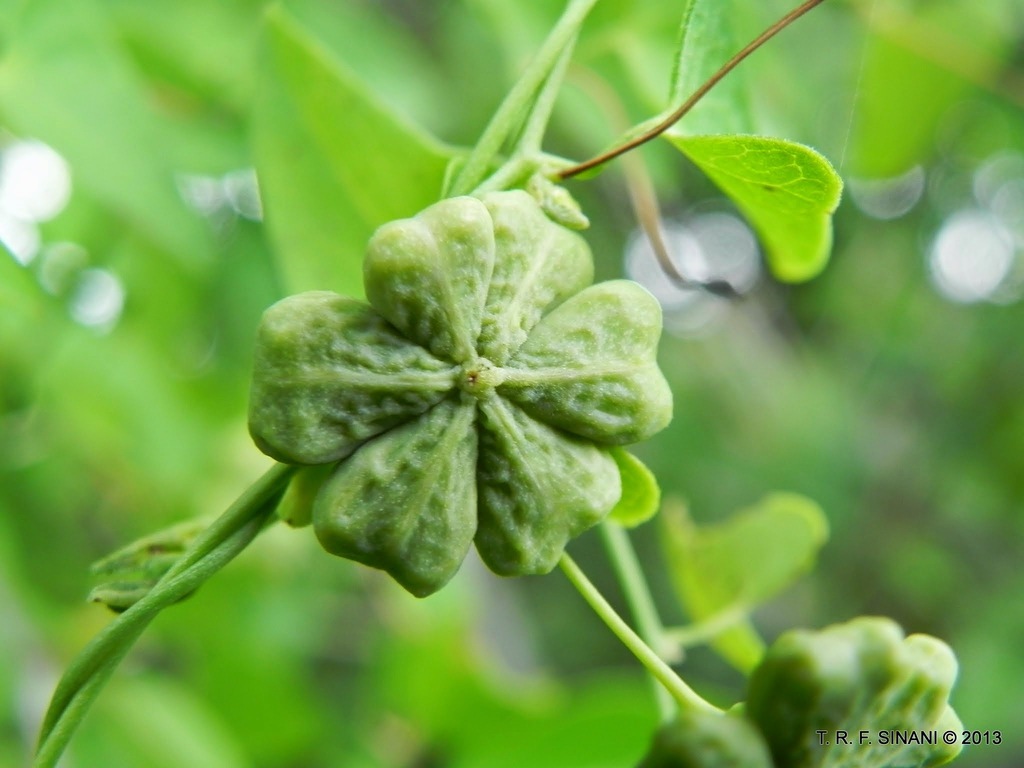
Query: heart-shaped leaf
(731, 567)
(787, 191)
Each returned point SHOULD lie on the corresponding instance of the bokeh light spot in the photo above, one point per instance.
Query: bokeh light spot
(98, 299)
(713, 246)
(971, 256)
(20, 237)
(890, 198)
(236, 192)
(35, 181)
(243, 193)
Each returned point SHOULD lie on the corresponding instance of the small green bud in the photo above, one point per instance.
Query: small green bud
(127, 575)
(556, 202)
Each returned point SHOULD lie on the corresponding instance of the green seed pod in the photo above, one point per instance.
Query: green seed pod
(428, 276)
(538, 265)
(329, 373)
(475, 400)
(849, 677)
(421, 528)
(707, 740)
(589, 367)
(538, 489)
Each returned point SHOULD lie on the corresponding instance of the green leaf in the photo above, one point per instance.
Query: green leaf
(904, 94)
(127, 575)
(706, 41)
(65, 80)
(787, 191)
(334, 163)
(152, 555)
(862, 677)
(203, 49)
(732, 567)
(641, 495)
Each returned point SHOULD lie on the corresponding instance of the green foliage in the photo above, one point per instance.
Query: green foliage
(707, 38)
(641, 496)
(911, 92)
(724, 571)
(66, 82)
(132, 571)
(787, 191)
(334, 162)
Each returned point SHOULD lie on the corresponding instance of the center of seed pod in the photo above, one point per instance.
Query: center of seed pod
(480, 376)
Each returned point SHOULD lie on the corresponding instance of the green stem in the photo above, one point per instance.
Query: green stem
(685, 696)
(707, 629)
(518, 101)
(528, 156)
(532, 136)
(510, 172)
(662, 125)
(224, 539)
(638, 596)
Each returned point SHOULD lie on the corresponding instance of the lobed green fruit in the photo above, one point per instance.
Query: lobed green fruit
(863, 675)
(707, 740)
(474, 400)
(330, 373)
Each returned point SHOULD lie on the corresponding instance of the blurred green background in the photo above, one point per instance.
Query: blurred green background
(138, 262)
